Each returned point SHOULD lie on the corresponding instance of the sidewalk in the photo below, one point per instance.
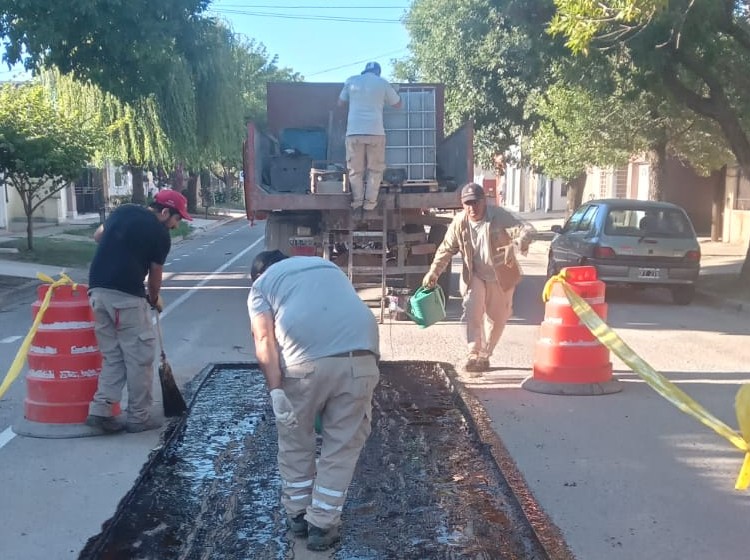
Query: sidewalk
(12, 269)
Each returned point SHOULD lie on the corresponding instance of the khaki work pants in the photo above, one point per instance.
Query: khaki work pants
(487, 308)
(365, 158)
(127, 342)
(340, 390)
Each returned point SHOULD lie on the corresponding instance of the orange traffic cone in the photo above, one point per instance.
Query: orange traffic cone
(64, 366)
(568, 359)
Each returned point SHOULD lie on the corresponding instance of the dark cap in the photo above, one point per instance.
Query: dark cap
(471, 191)
(263, 261)
(373, 67)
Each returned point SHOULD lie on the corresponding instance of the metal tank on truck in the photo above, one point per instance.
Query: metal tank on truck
(295, 180)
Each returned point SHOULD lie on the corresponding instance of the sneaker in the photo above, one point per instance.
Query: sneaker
(298, 525)
(321, 539)
(107, 424)
(137, 427)
(369, 206)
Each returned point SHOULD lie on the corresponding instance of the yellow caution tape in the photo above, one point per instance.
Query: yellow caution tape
(661, 384)
(20, 359)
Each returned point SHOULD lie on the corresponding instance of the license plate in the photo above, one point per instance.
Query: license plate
(301, 241)
(648, 273)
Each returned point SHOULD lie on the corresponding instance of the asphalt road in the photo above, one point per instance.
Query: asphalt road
(623, 476)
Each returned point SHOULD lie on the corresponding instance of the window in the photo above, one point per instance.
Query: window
(742, 196)
(575, 219)
(587, 221)
(640, 222)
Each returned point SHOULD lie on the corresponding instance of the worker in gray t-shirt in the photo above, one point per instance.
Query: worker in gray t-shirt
(367, 94)
(317, 344)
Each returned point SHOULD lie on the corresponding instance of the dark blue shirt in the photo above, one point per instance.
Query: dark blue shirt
(133, 239)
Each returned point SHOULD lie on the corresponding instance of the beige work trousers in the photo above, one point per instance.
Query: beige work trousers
(365, 158)
(487, 308)
(340, 390)
(127, 341)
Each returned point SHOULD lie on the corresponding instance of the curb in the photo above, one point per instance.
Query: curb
(198, 232)
(722, 302)
(14, 293)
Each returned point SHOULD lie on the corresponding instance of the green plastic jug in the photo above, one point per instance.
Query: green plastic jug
(427, 306)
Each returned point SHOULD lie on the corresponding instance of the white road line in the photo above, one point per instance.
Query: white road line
(9, 339)
(180, 300)
(6, 436)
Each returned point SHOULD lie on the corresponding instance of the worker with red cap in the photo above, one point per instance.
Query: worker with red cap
(132, 244)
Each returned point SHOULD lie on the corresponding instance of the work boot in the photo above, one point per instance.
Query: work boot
(138, 427)
(298, 525)
(483, 364)
(321, 539)
(107, 424)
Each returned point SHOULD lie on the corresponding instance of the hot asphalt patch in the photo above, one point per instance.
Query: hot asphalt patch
(424, 488)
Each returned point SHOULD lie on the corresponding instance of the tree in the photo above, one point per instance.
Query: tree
(126, 48)
(41, 148)
(490, 54)
(697, 50)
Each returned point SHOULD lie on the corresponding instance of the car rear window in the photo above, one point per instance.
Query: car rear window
(660, 222)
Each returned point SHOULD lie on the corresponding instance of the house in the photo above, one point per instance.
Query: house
(523, 190)
(735, 217)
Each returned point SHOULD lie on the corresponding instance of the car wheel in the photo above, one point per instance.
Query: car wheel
(551, 268)
(683, 295)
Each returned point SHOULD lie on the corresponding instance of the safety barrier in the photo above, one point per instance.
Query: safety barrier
(64, 362)
(568, 359)
(662, 385)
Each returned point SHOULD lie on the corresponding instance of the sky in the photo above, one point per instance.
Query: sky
(324, 40)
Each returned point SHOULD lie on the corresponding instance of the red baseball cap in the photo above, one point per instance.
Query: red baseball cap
(173, 199)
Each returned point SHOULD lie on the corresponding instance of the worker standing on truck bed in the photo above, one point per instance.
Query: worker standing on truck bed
(367, 95)
(317, 344)
(488, 239)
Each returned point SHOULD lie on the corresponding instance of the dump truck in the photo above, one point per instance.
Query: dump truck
(295, 179)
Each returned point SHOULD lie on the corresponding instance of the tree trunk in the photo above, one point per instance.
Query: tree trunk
(717, 206)
(29, 230)
(575, 193)
(179, 178)
(192, 192)
(139, 195)
(657, 159)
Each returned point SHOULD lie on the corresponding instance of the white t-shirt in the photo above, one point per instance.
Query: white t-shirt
(367, 94)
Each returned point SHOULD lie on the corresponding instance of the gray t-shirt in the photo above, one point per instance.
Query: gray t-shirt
(316, 311)
(367, 94)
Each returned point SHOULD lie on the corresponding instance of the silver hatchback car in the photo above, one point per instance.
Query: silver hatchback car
(631, 242)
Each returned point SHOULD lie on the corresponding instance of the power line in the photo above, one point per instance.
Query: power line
(308, 17)
(355, 63)
(327, 7)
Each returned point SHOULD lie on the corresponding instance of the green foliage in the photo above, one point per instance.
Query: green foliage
(127, 48)
(695, 51)
(489, 55)
(129, 133)
(41, 147)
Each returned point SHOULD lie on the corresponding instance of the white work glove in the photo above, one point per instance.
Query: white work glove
(282, 409)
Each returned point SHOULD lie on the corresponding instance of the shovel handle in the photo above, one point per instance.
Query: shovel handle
(158, 334)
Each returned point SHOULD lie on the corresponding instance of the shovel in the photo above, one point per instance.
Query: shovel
(174, 404)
